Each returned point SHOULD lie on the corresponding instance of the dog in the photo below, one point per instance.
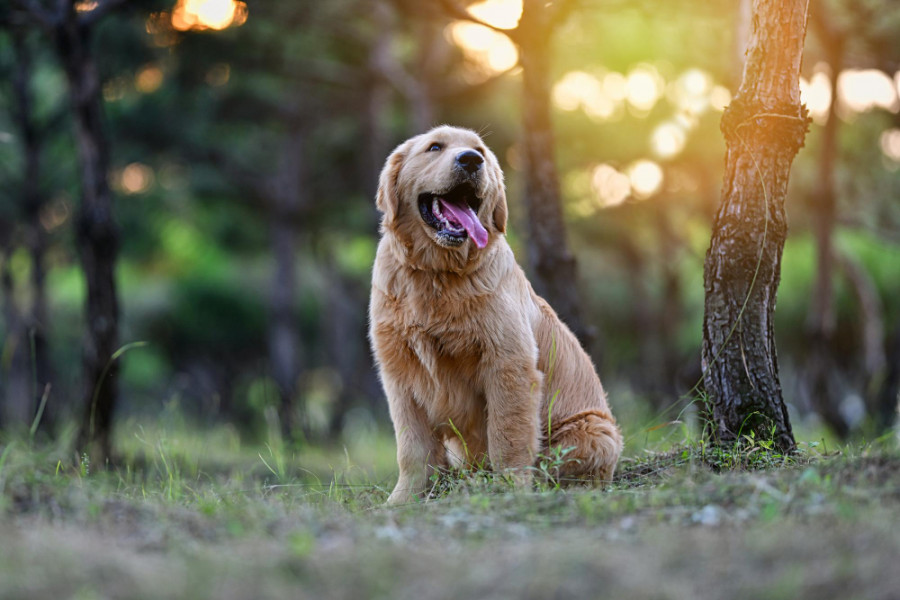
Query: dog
(478, 370)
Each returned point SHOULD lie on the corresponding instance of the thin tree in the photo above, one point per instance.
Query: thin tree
(764, 127)
(552, 261)
(33, 343)
(97, 234)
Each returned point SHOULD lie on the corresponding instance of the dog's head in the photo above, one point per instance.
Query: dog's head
(445, 189)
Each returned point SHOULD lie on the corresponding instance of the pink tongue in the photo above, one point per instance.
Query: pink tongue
(466, 217)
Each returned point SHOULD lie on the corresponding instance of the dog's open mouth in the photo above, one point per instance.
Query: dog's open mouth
(453, 215)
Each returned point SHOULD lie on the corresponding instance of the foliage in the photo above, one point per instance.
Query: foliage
(185, 501)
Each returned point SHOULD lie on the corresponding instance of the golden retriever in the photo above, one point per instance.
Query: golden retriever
(478, 370)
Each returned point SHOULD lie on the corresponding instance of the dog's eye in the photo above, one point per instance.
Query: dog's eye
(435, 147)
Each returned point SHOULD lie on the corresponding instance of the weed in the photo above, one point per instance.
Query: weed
(549, 467)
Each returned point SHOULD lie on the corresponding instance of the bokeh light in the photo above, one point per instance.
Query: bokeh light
(890, 144)
(668, 139)
(862, 90)
(643, 87)
(645, 177)
(148, 79)
(691, 92)
(816, 95)
(488, 49)
(219, 74)
(208, 14)
(135, 178)
(581, 90)
(504, 14)
(719, 97)
(610, 186)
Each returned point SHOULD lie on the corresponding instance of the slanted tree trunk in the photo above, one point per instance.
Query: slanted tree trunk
(97, 237)
(555, 275)
(764, 127)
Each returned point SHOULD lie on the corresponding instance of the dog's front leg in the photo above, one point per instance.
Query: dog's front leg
(418, 448)
(513, 394)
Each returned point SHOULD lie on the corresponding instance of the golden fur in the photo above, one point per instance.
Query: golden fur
(465, 348)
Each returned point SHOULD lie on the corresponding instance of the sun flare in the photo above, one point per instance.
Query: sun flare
(208, 14)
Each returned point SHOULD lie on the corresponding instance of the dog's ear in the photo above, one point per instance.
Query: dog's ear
(501, 212)
(387, 200)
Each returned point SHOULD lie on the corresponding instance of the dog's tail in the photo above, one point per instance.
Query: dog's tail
(596, 442)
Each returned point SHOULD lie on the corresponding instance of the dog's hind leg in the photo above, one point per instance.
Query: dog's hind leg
(596, 444)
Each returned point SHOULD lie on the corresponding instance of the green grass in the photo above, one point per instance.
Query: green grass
(199, 514)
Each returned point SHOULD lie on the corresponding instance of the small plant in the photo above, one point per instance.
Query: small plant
(549, 466)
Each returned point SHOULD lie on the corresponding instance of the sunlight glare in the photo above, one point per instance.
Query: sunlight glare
(668, 139)
(646, 178)
(691, 92)
(504, 14)
(696, 82)
(483, 46)
(890, 144)
(816, 95)
(719, 98)
(208, 14)
(615, 85)
(578, 89)
(643, 87)
(611, 187)
(863, 90)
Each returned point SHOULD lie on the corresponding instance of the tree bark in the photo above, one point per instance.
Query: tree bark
(97, 237)
(17, 408)
(820, 370)
(871, 318)
(764, 127)
(555, 275)
(289, 198)
(35, 318)
(888, 408)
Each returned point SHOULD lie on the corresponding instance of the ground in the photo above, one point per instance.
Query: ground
(204, 516)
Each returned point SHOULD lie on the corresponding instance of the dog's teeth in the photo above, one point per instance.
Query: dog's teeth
(436, 208)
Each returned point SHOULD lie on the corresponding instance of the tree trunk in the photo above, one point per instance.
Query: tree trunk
(17, 408)
(871, 319)
(671, 312)
(284, 353)
(341, 335)
(888, 408)
(764, 127)
(821, 369)
(36, 239)
(97, 236)
(554, 268)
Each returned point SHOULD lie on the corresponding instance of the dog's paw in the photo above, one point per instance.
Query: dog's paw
(400, 495)
(521, 478)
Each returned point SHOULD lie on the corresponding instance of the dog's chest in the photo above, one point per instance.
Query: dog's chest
(445, 342)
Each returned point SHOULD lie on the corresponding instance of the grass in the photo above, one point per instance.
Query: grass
(191, 514)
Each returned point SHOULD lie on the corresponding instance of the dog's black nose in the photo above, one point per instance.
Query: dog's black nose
(469, 160)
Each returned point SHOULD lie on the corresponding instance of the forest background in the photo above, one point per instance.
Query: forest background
(244, 142)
